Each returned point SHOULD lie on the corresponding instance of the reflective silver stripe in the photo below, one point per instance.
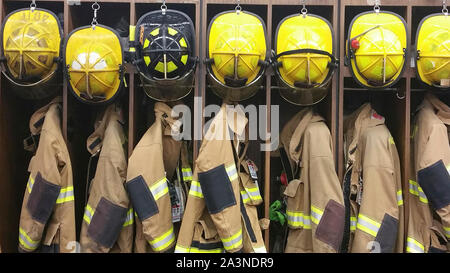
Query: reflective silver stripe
(416, 190)
(232, 172)
(65, 195)
(413, 246)
(30, 183)
(298, 219)
(368, 225)
(253, 193)
(399, 198)
(196, 189)
(187, 174)
(88, 213)
(26, 241)
(234, 241)
(163, 241)
(130, 218)
(159, 189)
(316, 214)
(245, 197)
(353, 221)
(447, 232)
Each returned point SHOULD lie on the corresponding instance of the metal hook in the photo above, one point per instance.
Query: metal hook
(402, 97)
(164, 7)
(95, 7)
(238, 8)
(304, 11)
(33, 5)
(444, 7)
(376, 7)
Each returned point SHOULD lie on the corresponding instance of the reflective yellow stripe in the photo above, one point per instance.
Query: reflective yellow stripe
(297, 219)
(130, 218)
(196, 189)
(413, 246)
(235, 241)
(368, 225)
(88, 213)
(416, 190)
(245, 198)
(316, 214)
(187, 174)
(65, 195)
(391, 140)
(261, 249)
(159, 189)
(447, 232)
(181, 249)
(163, 241)
(399, 198)
(232, 172)
(253, 193)
(353, 221)
(26, 241)
(30, 183)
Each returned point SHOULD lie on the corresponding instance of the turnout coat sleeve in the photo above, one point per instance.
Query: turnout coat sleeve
(429, 183)
(215, 186)
(48, 216)
(379, 225)
(108, 218)
(147, 183)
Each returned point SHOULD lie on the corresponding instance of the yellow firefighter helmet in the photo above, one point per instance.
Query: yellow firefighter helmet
(31, 41)
(236, 54)
(93, 59)
(303, 60)
(433, 51)
(376, 48)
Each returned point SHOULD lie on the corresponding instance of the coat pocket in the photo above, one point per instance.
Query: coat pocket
(250, 194)
(435, 182)
(42, 199)
(217, 189)
(331, 225)
(294, 210)
(106, 223)
(387, 234)
(142, 199)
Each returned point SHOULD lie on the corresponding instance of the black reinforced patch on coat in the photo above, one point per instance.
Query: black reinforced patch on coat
(54, 248)
(387, 234)
(206, 246)
(217, 189)
(248, 224)
(95, 143)
(331, 226)
(107, 223)
(42, 199)
(39, 123)
(436, 250)
(142, 199)
(435, 182)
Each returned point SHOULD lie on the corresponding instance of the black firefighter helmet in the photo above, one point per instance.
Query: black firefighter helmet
(165, 60)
